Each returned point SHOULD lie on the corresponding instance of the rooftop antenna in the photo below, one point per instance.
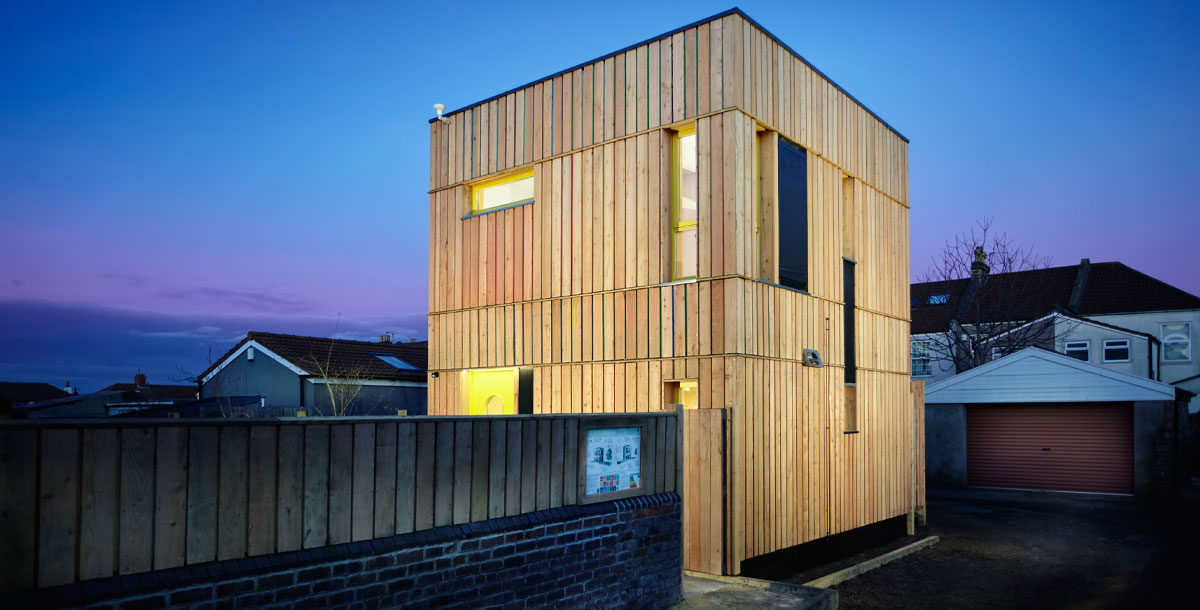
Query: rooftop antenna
(439, 108)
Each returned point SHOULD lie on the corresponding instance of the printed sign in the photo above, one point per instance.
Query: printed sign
(614, 461)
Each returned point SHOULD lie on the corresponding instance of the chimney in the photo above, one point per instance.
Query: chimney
(385, 338)
(1081, 278)
(979, 268)
(139, 380)
(70, 390)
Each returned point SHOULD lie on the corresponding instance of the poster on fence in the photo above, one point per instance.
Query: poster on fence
(614, 461)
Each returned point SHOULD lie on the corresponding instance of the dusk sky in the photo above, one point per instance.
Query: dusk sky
(174, 175)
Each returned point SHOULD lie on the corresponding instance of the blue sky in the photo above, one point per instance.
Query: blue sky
(168, 167)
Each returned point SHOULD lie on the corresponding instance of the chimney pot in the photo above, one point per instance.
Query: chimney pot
(139, 380)
(979, 268)
(385, 338)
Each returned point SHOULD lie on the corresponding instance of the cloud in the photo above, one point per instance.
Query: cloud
(223, 298)
(130, 280)
(94, 346)
(202, 332)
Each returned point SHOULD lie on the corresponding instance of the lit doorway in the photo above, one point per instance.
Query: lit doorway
(492, 392)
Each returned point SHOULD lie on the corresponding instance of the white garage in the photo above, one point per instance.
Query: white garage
(1041, 420)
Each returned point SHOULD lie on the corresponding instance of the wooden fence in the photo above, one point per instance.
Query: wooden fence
(704, 504)
(90, 499)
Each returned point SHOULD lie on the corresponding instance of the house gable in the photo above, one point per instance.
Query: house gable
(1034, 375)
(258, 348)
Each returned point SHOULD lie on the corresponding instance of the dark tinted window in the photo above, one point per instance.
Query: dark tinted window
(848, 296)
(793, 215)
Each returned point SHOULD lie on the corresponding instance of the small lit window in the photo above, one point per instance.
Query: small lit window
(938, 299)
(684, 393)
(503, 192)
(686, 187)
(396, 362)
(1080, 350)
(1116, 350)
(1177, 342)
(920, 359)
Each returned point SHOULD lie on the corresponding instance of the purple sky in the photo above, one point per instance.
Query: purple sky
(174, 175)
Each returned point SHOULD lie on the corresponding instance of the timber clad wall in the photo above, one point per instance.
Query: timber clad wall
(81, 500)
(577, 285)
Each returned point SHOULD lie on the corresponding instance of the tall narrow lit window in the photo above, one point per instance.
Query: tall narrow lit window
(683, 224)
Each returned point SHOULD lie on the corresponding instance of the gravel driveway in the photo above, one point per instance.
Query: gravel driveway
(1018, 549)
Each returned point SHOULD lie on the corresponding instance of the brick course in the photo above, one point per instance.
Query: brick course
(625, 553)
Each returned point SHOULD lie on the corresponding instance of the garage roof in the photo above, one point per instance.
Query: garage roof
(1035, 375)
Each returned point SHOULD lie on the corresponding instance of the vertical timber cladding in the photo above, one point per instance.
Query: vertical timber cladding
(575, 287)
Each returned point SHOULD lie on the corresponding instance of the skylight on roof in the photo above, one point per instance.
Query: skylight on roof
(938, 299)
(396, 362)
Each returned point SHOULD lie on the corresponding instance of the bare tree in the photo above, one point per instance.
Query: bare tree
(994, 313)
(343, 386)
(957, 259)
(221, 388)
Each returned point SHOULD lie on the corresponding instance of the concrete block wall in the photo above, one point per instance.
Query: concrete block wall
(625, 553)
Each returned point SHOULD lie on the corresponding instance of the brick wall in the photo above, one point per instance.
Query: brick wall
(611, 554)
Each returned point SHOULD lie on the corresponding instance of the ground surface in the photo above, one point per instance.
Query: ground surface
(1017, 549)
(703, 593)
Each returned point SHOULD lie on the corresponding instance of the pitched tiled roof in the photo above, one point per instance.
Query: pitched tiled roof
(1115, 288)
(320, 356)
(22, 392)
(1026, 295)
(155, 391)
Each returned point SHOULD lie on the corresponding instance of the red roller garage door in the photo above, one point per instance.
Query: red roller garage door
(1068, 447)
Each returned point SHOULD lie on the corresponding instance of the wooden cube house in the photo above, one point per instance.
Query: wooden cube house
(679, 222)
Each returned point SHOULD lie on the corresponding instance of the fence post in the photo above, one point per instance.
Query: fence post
(917, 514)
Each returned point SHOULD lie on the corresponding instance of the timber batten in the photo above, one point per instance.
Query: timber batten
(576, 288)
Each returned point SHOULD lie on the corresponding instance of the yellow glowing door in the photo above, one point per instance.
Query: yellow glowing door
(493, 392)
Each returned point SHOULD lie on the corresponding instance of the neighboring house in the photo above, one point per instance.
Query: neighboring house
(1104, 313)
(140, 395)
(321, 376)
(17, 393)
(704, 219)
(1037, 419)
(116, 399)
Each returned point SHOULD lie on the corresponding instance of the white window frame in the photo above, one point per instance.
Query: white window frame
(1117, 343)
(999, 352)
(928, 357)
(1162, 332)
(1087, 349)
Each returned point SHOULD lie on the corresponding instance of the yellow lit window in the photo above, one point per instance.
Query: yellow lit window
(685, 392)
(510, 190)
(685, 190)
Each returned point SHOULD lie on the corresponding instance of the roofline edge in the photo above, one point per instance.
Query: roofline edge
(733, 11)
